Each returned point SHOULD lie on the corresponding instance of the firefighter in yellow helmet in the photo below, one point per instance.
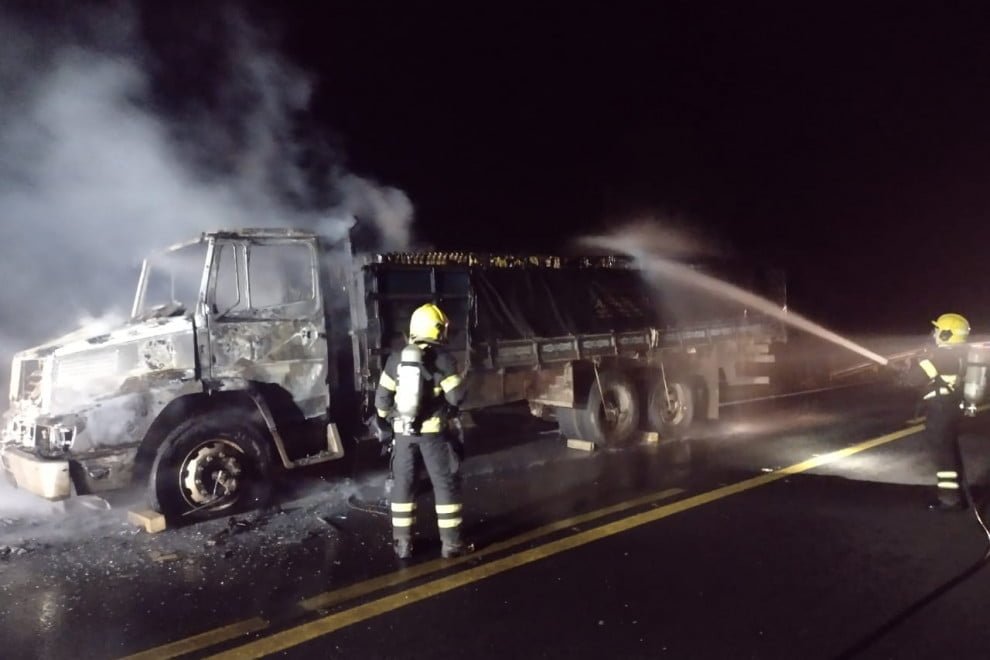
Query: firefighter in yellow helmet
(940, 372)
(419, 393)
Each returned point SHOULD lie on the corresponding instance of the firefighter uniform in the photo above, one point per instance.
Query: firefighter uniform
(425, 434)
(941, 369)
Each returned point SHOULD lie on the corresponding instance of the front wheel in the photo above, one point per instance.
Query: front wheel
(210, 465)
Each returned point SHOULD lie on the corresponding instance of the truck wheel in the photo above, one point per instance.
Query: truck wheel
(671, 418)
(210, 465)
(611, 417)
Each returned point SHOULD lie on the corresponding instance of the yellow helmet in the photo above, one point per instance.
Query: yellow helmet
(428, 323)
(951, 329)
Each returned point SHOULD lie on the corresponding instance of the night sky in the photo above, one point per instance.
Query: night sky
(850, 147)
(846, 144)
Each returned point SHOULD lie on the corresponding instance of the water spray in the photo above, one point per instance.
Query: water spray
(690, 277)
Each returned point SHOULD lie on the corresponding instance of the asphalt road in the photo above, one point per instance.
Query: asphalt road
(791, 529)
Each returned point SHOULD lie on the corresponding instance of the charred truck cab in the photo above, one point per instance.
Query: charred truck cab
(251, 351)
(225, 353)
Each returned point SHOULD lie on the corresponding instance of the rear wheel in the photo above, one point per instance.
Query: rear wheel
(611, 416)
(211, 465)
(671, 409)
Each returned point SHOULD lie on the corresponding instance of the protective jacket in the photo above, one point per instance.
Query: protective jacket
(441, 395)
(942, 368)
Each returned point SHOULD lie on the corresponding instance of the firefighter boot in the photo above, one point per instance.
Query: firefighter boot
(403, 548)
(451, 548)
(948, 501)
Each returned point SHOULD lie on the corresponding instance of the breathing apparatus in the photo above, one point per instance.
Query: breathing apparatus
(974, 393)
(409, 389)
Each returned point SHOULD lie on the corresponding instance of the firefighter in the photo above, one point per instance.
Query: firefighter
(941, 371)
(418, 396)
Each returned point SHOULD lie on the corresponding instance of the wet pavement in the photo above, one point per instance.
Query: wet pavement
(684, 550)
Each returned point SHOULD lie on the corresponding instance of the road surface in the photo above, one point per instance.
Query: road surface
(793, 528)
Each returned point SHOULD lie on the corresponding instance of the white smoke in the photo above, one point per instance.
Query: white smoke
(92, 178)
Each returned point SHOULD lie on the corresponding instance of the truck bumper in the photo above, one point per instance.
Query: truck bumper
(43, 477)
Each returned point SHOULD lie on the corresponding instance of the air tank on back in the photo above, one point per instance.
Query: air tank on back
(975, 379)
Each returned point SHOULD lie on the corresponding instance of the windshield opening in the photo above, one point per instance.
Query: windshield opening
(172, 282)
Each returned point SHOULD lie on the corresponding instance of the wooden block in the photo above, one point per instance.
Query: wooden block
(152, 521)
(651, 437)
(583, 445)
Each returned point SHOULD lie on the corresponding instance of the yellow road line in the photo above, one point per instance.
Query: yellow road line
(360, 589)
(332, 598)
(328, 624)
(201, 641)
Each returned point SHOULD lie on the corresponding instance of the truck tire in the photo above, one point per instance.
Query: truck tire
(612, 422)
(217, 456)
(671, 420)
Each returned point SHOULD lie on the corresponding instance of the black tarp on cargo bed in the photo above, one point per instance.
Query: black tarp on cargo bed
(523, 303)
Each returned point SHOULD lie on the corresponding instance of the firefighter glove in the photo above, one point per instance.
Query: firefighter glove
(384, 433)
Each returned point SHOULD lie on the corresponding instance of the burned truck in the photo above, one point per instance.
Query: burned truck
(254, 352)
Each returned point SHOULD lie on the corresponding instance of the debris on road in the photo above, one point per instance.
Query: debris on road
(8, 551)
(163, 557)
(152, 521)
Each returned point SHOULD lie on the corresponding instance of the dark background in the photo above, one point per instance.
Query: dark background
(846, 144)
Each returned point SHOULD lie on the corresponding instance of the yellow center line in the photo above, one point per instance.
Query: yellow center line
(330, 623)
(331, 598)
(202, 641)
(360, 589)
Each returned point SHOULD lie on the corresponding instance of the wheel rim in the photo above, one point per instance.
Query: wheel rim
(672, 406)
(212, 472)
(614, 410)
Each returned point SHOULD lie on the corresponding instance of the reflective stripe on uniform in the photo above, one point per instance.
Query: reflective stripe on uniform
(382, 413)
(448, 515)
(450, 382)
(928, 368)
(942, 391)
(950, 485)
(403, 507)
(431, 425)
(948, 474)
(387, 382)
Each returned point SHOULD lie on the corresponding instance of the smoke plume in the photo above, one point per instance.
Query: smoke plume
(102, 161)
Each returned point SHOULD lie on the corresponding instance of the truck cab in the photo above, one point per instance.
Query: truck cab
(227, 338)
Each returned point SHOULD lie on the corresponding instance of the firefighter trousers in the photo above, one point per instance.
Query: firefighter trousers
(942, 418)
(443, 469)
